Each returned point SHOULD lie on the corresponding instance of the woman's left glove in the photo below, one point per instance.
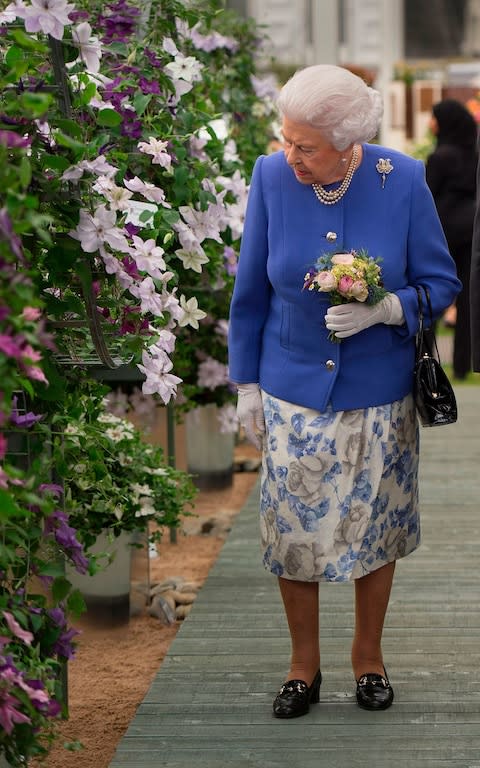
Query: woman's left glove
(250, 412)
(348, 319)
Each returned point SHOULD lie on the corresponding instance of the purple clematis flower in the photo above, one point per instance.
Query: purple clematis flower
(56, 524)
(25, 420)
(7, 233)
(12, 140)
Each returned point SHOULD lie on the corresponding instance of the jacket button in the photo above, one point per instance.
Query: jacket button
(330, 365)
(331, 236)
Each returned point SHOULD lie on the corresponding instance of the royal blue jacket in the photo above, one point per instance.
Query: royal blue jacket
(277, 333)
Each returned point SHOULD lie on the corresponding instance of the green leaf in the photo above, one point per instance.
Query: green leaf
(71, 128)
(87, 94)
(13, 56)
(76, 603)
(109, 118)
(25, 172)
(8, 507)
(54, 163)
(52, 569)
(27, 42)
(67, 141)
(141, 102)
(60, 589)
(35, 103)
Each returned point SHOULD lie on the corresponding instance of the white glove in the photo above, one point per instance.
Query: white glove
(250, 412)
(347, 319)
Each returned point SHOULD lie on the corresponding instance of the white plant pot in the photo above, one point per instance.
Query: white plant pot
(210, 452)
(107, 593)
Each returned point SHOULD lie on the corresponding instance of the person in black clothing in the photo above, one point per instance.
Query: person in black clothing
(451, 176)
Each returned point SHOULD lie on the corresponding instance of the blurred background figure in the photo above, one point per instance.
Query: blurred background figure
(451, 176)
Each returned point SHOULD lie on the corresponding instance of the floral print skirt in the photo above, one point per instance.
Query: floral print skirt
(339, 492)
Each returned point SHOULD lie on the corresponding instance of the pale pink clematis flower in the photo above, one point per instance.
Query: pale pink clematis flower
(212, 374)
(99, 166)
(90, 47)
(118, 197)
(48, 16)
(16, 629)
(12, 11)
(147, 190)
(156, 148)
(9, 715)
(166, 341)
(205, 224)
(151, 301)
(148, 256)
(156, 367)
(94, 231)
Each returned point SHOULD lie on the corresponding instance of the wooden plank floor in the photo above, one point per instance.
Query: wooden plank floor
(210, 704)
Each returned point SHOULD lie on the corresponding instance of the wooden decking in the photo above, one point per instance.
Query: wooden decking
(210, 704)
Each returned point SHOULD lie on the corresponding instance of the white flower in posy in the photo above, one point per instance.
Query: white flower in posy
(94, 231)
(191, 313)
(148, 190)
(156, 367)
(90, 47)
(192, 259)
(156, 148)
(47, 16)
(184, 68)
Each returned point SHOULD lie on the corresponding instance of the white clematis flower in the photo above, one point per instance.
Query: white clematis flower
(191, 313)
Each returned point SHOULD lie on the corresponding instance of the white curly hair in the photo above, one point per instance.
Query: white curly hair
(335, 101)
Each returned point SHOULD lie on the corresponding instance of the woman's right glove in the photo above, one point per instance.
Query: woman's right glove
(250, 412)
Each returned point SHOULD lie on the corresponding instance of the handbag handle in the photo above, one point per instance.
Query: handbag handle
(421, 320)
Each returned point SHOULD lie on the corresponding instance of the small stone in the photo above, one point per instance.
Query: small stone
(184, 598)
(161, 609)
(182, 611)
(174, 582)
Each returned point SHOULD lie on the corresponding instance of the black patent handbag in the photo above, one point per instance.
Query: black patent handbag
(432, 390)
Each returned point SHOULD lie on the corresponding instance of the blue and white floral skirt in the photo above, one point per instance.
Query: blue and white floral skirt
(339, 493)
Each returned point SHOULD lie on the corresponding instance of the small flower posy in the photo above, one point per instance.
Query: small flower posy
(349, 276)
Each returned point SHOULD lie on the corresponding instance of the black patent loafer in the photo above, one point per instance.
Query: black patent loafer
(374, 691)
(295, 696)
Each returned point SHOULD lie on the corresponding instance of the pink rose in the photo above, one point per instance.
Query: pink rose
(344, 285)
(325, 281)
(359, 290)
(342, 258)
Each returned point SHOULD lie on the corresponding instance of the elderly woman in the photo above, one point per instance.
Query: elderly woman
(326, 388)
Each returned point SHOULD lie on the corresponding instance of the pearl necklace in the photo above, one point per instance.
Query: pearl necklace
(330, 197)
